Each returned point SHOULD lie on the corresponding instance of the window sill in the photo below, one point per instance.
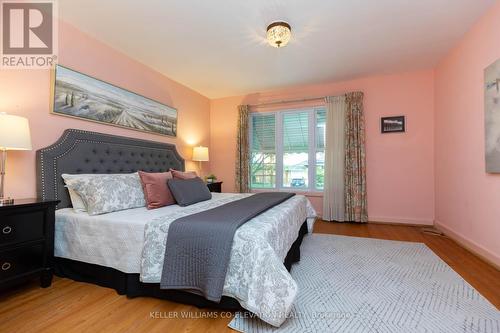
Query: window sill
(311, 193)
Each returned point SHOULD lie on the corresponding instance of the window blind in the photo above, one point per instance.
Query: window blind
(264, 133)
(320, 129)
(295, 132)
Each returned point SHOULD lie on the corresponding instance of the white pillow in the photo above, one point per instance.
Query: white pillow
(76, 200)
(105, 193)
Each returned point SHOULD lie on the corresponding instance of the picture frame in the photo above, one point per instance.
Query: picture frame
(77, 95)
(393, 124)
(492, 117)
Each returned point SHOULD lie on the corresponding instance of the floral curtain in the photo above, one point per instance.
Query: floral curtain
(242, 171)
(355, 161)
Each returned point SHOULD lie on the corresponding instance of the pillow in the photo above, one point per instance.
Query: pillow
(189, 191)
(108, 193)
(156, 191)
(183, 175)
(76, 200)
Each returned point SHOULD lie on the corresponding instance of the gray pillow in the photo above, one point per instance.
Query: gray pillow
(189, 191)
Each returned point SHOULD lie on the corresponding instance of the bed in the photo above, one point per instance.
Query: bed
(120, 250)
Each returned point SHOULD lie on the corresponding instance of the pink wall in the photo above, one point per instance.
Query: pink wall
(467, 198)
(428, 171)
(400, 171)
(26, 93)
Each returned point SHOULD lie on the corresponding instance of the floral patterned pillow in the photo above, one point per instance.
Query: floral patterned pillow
(109, 193)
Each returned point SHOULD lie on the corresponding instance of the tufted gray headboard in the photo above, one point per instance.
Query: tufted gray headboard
(79, 151)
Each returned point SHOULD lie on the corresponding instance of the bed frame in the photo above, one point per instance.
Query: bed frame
(78, 152)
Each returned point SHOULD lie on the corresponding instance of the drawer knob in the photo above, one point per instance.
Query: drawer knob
(6, 230)
(6, 266)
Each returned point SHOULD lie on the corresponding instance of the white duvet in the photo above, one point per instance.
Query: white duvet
(133, 241)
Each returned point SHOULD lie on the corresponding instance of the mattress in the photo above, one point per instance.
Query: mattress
(115, 239)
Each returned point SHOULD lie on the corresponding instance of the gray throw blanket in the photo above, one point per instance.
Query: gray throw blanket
(198, 246)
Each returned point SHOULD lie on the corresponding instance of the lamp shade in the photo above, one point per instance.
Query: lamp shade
(14, 132)
(200, 153)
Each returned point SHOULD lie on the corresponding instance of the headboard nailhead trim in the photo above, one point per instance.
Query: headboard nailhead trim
(75, 137)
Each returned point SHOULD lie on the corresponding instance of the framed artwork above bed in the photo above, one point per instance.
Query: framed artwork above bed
(77, 95)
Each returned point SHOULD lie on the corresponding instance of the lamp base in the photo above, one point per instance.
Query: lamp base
(6, 201)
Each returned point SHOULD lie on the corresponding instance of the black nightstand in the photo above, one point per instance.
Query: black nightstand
(215, 187)
(27, 242)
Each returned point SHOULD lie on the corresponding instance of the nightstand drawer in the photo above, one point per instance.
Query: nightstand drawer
(22, 227)
(20, 260)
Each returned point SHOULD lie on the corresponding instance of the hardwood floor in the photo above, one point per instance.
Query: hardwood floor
(70, 306)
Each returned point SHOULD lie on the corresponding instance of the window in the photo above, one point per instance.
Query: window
(296, 149)
(263, 151)
(287, 149)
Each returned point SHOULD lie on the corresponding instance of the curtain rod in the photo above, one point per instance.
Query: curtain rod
(289, 101)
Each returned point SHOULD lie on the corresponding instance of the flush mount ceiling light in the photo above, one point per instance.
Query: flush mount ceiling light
(278, 34)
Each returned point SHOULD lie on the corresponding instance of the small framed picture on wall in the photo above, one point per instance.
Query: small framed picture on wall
(395, 124)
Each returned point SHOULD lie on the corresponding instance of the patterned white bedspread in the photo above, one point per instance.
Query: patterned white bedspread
(256, 275)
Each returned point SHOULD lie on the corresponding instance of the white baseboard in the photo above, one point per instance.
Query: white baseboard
(470, 245)
(400, 220)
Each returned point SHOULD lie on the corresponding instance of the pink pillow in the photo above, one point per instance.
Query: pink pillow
(156, 191)
(183, 175)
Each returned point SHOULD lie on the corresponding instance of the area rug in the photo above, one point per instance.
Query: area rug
(352, 284)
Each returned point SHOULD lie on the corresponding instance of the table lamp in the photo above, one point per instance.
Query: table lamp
(14, 135)
(200, 154)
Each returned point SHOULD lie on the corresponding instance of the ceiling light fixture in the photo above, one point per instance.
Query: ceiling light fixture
(279, 33)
